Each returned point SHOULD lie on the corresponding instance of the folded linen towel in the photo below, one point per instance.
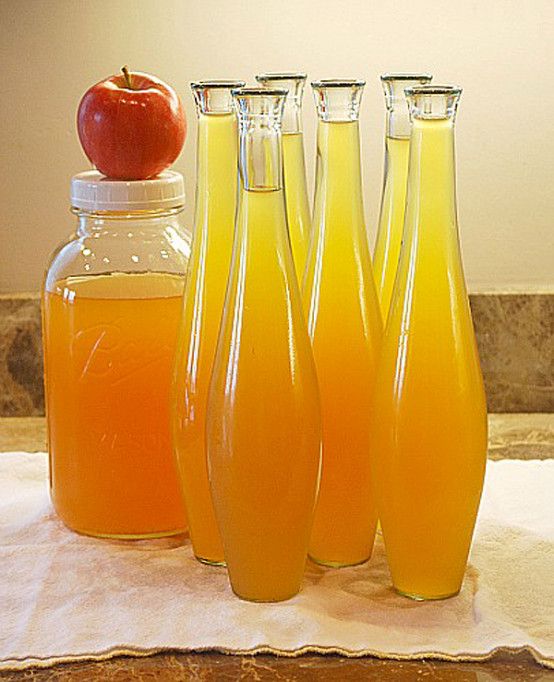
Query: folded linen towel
(64, 597)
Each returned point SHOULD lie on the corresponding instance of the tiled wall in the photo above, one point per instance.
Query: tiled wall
(515, 334)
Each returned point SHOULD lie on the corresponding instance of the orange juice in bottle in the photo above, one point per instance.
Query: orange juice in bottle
(294, 164)
(263, 425)
(111, 306)
(393, 201)
(345, 326)
(429, 418)
(217, 178)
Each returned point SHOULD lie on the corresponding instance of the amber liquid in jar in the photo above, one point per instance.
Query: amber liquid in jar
(109, 344)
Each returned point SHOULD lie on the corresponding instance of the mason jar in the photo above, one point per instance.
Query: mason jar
(111, 306)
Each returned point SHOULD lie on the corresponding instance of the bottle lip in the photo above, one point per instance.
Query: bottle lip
(218, 83)
(259, 92)
(92, 191)
(433, 90)
(386, 77)
(337, 83)
(282, 76)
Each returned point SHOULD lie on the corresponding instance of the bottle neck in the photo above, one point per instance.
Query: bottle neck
(216, 153)
(430, 243)
(260, 144)
(262, 242)
(292, 117)
(431, 198)
(398, 116)
(216, 158)
(398, 122)
(338, 101)
(260, 155)
(294, 86)
(339, 175)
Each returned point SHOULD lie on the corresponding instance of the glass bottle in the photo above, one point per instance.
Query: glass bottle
(344, 323)
(111, 304)
(294, 164)
(430, 420)
(263, 428)
(393, 200)
(216, 198)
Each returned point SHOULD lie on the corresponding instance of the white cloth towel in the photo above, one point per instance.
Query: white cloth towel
(64, 597)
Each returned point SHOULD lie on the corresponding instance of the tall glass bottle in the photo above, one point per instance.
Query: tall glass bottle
(216, 192)
(429, 417)
(393, 200)
(294, 164)
(345, 327)
(263, 428)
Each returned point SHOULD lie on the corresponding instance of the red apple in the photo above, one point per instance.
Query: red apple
(132, 126)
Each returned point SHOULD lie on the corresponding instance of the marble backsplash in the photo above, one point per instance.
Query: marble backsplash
(21, 386)
(515, 334)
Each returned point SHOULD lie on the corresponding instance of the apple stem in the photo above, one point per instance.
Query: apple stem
(127, 76)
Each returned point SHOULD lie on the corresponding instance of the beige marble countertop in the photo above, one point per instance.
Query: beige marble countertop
(519, 436)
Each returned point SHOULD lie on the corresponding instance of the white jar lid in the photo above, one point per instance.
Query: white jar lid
(93, 191)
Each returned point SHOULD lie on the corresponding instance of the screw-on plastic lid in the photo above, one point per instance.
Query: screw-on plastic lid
(92, 191)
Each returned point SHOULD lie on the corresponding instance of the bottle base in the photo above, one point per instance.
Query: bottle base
(263, 600)
(337, 564)
(414, 596)
(210, 562)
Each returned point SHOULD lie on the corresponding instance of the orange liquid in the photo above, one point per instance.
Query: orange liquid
(108, 366)
(202, 308)
(263, 416)
(391, 221)
(429, 417)
(344, 323)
